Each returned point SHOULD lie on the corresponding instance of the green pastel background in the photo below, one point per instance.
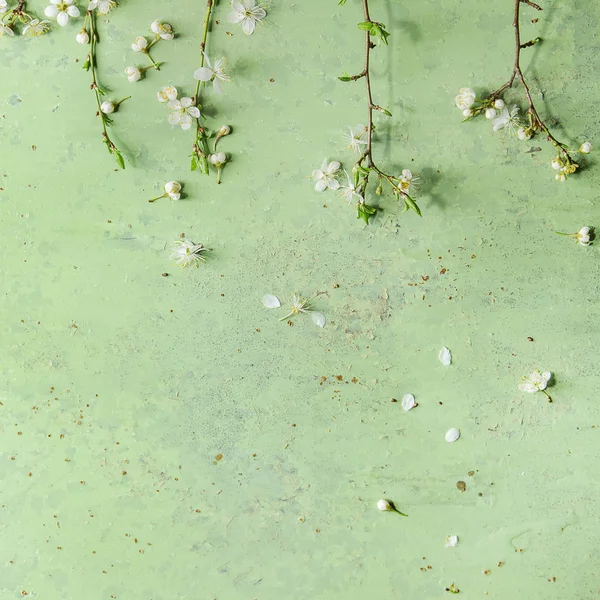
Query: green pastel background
(109, 367)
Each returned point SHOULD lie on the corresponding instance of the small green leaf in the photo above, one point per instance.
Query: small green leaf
(203, 165)
(410, 203)
(366, 26)
(194, 164)
(345, 78)
(375, 30)
(342, 2)
(86, 65)
(384, 35)
(365, 211)
(385, 111)
(119, 158)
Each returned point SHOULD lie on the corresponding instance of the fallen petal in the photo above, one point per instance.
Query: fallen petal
(271, 301)
(318, 319)
(452, 435)
(445, 356)
(408, 402)
(452, 541)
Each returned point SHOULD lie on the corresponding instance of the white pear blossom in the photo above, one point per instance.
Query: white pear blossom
(102, 7)
(6, 30)
(248, 13)
(452, 435)
(585, 148)
(140, 45)
(465, 98)
(182, 112)
(583, 236)
(271, 301)
(407, 182)
(214, 72)
(408, 402)
(326, 176)
(354, 138)
(536, 382)
(83, 37)
(384, 505)
(133, 74)
(218, 159)
(445, 356)
(166, 94)
(61, 10)
(163, 30)
(349, 192)
(36, 27)
(507, 120)
(3, 6)
(302, 305)
(173, 190)
(107, 107)
(187, 253)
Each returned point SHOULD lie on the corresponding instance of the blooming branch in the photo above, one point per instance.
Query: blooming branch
(493, 106)
(104, 107)
(9, 18)
(365, 166)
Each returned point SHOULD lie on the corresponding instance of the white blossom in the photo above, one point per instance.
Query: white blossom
(83, 37)
(133, 74)
(507, 120)
(271, 301)
(536, 382)
(452, 435)
(499, 104)
(213, 72)
(490, 113)
(384, 505)
(61, 10)
(467, 112)
(163, 30)
(36, 27)
(166, 94)
(182, 112)
(140, 45)
(248, 13)
(302, 305)
(583, 236)
(354, 138)
(524, 134)
(107, 107)
(349, 192)
(218, 159)
(187, 253)
(6, 30)
(465, 98)
(326, 176)
(102, 7)
(585, 148)
(173, 190)
(407, 182)
(3, 6)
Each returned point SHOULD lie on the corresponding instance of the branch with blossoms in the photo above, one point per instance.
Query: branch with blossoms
(365, 166)
(89, 35)
(12, 17)
(494, 107)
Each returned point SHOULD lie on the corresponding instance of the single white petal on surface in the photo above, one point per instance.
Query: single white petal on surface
(203, 74)
(271, 301)
(318, 319)
(408, 402)
(452, 435)
(452, 541)
(445, 356)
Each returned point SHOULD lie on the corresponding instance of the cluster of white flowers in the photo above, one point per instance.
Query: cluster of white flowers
(181, 110)
(564, 166)
(187, 253)
(162, 31)
(31, 26)
(300, 305)
(247, 13)
(214, 71)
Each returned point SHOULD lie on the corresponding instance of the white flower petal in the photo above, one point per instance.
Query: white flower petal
(408, 402)
(194, 112)
(51, 11)
(452, 541)
(321, 185)
(318, 319)
(203, 74)
(271, 301)
(62, 18)
(248, 26)
(445, 356)
(333, 184)
(452, 435)
(73, 11)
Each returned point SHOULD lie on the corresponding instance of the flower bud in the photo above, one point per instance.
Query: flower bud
(83, 37)
(585, 148)
(224, 130)
(155, 27)
(523, 134)
(173, 189)
(133, 74)
(490, 113)
(556, 163)
(384, 505)
(467, 112)
(218, 159)
(107, 107)
(584, 231)
(499, 104)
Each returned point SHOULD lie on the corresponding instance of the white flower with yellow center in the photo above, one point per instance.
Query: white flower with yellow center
(248, 13)
(583, 236)
(354, 139)
(326, 176)
(407, 182)
(61, 10)
(36, 27)
(133, 74)
(182, 112)
(585, 148)
(507, 120)
(536, 382)
(162, 30)
(166, 94)
(214, 72)
(187, 253)
(465, 98)
(302, 305)
(140, 45)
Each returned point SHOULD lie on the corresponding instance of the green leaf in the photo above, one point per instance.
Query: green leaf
(366, 26)
(194, 164)
(375, 31)
(384, 35)
(86, 65)
(119, 158)
(345, 78)
(410, 203)
(365, 212)
(385, 111)
(203, 165)
(342, 2)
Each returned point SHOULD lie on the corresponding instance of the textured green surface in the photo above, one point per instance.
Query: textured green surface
(162, 374)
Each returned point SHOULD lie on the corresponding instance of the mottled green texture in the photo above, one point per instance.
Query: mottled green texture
(156, 376)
